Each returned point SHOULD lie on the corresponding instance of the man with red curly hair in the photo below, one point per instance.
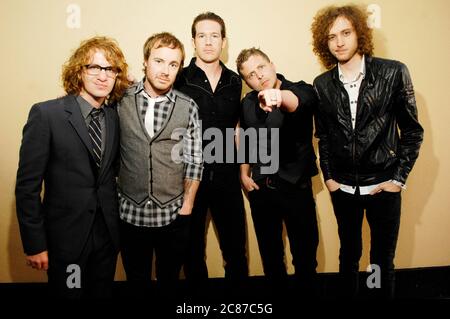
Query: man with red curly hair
(364, 102)
(71, 144)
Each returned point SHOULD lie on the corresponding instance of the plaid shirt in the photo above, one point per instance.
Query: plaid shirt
(151, 215)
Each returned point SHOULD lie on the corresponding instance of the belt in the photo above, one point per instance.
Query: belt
(275, 182)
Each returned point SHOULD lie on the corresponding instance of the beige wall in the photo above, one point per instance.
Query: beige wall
(36, 41)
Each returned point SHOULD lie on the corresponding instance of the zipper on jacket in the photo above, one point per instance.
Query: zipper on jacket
(358, 110)
(354, 159)
(353, 130)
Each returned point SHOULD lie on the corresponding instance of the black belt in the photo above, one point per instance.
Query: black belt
(275, 182)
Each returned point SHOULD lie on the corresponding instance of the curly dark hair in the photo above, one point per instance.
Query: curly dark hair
(321, 26)
(73, 68)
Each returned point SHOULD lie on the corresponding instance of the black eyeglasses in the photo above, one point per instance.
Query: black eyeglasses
(95, 69)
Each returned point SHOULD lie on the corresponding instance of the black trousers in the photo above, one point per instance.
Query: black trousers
(96, 267)
(277, 201)
(221, 193)
(167, 243)
(383, 216)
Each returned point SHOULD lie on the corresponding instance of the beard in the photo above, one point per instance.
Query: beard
(347, 57)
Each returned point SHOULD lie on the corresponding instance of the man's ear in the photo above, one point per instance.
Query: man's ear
(224, 43)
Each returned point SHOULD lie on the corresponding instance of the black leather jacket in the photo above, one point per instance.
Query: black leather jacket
(374, 151)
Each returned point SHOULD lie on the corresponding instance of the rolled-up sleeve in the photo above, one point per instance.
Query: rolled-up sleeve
(192, 146)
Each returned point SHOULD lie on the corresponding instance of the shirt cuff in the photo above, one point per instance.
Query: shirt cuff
(194, 172)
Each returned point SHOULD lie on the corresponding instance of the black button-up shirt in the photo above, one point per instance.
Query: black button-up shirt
(296, 153)
(219, 109)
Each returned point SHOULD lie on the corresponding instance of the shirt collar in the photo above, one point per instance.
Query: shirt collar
(361, 74)
(85, 107)
(140, 88)
(194, 72)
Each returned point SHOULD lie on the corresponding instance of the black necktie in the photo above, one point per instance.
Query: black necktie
(95, 132)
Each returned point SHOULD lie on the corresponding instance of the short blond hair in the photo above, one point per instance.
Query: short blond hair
(245, 54)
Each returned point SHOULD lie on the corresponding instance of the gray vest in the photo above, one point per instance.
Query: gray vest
(147, 166)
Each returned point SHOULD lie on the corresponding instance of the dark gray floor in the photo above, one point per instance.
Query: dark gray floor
(418, 283)
(416, 290)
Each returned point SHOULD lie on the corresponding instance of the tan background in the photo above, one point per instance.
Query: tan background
(36, 41)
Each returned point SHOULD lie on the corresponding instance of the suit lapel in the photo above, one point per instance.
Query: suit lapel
(76, 120)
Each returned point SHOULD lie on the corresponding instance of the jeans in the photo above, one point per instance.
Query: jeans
(383, 216)
(221, 193)
(277, 201)
(168, 243)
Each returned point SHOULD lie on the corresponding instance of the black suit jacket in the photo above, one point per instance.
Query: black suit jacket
(56, 151)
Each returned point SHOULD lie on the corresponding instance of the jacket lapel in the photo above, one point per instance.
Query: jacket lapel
(75, 118)
(365, 97)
